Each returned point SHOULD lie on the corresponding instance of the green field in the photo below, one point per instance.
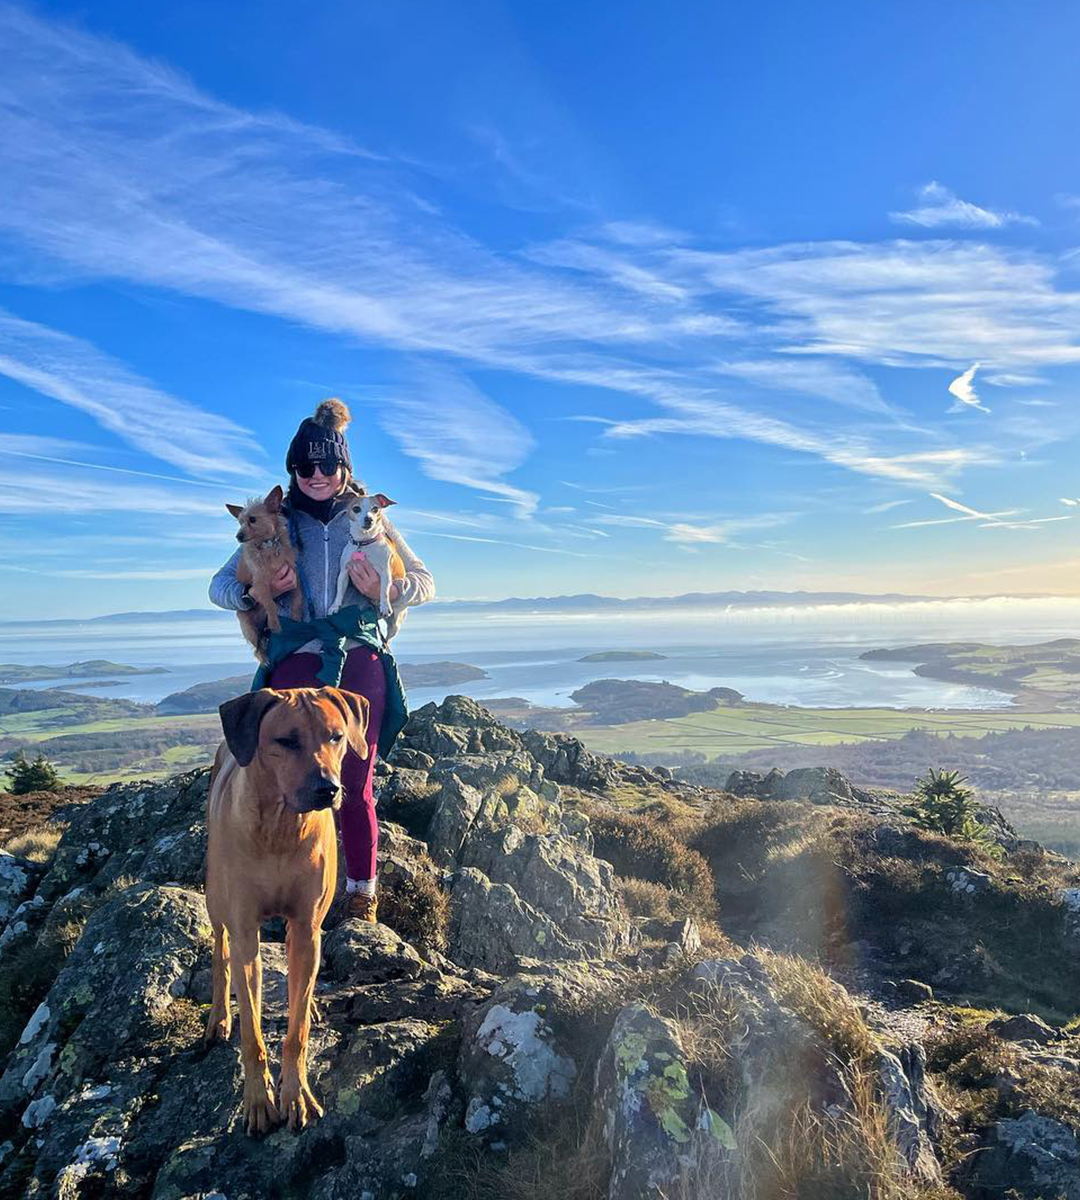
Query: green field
(49, 722)
(744, 728)
(124, 747)
(143, 749)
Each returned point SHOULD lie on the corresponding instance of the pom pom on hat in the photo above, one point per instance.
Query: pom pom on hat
(333, 414)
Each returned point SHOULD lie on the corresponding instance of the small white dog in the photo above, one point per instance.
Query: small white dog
(368, 539)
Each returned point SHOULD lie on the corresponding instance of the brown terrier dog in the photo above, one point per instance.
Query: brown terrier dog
(272, 851)
(264, 539)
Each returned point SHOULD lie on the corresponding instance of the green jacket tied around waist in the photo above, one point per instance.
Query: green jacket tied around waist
(348, 624)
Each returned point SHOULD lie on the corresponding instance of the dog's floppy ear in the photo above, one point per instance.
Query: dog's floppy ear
(273, 499)
(240, 721)
(355, 709)
(235, 509)
(384, 501)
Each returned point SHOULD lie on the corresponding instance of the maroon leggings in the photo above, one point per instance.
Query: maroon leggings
(363, 673)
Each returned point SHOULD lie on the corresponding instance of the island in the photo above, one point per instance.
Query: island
(624, 656)
(94, 668)
(1039, 676)
(619, 701)
(438, 674)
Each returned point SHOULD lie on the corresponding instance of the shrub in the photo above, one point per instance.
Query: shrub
(973, 1062)
(639, 847)
(417, 908)
(943, 804)
(37, 776)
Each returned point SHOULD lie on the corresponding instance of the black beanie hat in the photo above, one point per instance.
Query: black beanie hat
(321, 437)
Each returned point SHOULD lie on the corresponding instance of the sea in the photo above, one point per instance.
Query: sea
(805, 655)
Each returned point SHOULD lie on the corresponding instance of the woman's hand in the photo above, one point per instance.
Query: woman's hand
(366, 580)
(284, 580)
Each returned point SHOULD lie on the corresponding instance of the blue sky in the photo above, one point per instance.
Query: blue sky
(625, 298)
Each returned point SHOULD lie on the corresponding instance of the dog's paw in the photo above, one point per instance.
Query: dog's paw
(218, 1026)
(297, 1105)
(260, 1111)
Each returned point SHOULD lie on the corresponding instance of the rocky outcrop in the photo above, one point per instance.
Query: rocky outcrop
(461, 726)
(1030, 1157)
(817, 785)
(523, 879)
(18, 880)
(650, 1118)
(509, 997)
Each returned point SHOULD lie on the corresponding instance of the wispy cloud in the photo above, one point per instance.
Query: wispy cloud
(941, 207)
(900, 303)
(614, 267)
(717, 419)
(74, 373)
(458, 435)
(461, 537)
(886, 506)
(688, 533)
(151, 573)
(1014, 379)
(77, 492)
(117, 168)
(640, 233)
(812, 377)
(984, 520)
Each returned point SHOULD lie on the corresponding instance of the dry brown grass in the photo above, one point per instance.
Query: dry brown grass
(564, 1159)
(418, 909)
(973, 1062)
(37, 844)
(826, 1007)
(640, 846)
(644, 899)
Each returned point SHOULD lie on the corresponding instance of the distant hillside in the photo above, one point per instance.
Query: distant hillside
(95, 668)
(585, 601)
(203, 697)
(27, 700)
(623, 656)
(1044, 675)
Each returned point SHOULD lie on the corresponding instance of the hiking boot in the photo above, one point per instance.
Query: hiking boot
(361, 907)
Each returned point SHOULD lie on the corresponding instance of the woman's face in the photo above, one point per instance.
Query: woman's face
(320, 486)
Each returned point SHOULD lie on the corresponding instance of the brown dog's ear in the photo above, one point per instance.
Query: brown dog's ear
(384, 501)
(235, 509)
(355, 709)
(273, 499)
(240, 721)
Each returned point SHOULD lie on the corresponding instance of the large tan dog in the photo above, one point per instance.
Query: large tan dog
(272, 851)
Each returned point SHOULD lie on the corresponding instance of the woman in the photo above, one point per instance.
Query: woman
(320, 485)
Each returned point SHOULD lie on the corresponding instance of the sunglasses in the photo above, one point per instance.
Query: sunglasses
(306, 470)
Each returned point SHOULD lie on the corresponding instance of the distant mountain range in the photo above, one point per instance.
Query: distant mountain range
(584, 602)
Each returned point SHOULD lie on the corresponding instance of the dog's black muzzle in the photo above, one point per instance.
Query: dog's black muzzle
(240, 536)
(320, 793)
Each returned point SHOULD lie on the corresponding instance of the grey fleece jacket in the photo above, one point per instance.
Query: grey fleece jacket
(319, 549)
